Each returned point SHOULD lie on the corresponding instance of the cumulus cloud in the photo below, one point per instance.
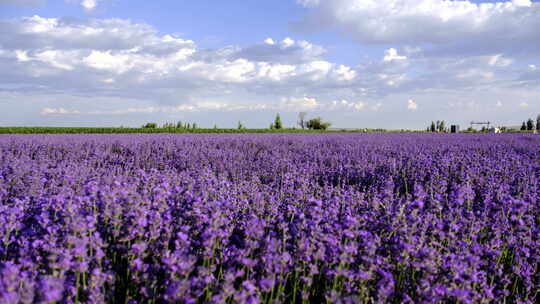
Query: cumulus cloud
(499, 61)
(468, 45)
(288, 104)
(412, 105)
(269, 41)
(117, 47)
(130, 110)
(89, 4)
(348, 105)
(287, 51)
(135, 70)
(299, 104)
(58, 111)
(118, 58)
(392, 54)
(456, 26)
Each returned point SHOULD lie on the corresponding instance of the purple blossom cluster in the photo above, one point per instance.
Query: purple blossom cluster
(270, 218)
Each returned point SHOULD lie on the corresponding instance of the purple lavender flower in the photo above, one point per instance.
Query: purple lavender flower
(273, 218)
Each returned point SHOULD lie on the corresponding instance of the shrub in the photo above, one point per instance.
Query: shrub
(317, 124)
(150, 125)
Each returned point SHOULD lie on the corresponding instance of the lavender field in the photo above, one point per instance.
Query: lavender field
(270, 218)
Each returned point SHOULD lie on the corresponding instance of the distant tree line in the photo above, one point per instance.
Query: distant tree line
(170, 125)
(530, 125)
(317, 123)
(437, 126)
(312, 124)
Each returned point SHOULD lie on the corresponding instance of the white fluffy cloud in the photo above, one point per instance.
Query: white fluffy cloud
(286, 51)
(412, 105)
(349, 105)
(122, 68)
(499, 61)
(115, 47)
(58, 111)
(437, 44)
(392, 54)
(269, 41)
(460, 26)
(118, 58)
(131, 110)
(89, 4)
(300, 103)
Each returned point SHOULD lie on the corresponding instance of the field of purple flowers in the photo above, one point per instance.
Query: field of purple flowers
(275, 218)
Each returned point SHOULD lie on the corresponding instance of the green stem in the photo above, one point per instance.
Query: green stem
(77, 288)
(295, 284)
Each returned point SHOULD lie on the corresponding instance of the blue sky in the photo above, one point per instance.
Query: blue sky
(357, 63)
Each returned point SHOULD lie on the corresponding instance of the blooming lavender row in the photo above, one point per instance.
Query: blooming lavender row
(297, 218)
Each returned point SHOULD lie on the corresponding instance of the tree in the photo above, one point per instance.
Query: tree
(240, 125)
(442, 127)
(524, 126)
(150, 125)
(530, 125)
(302, 119)
(317, 124)
(194, 126)
(538, 123)
(433, 128)
(179, 125)
(277, 123)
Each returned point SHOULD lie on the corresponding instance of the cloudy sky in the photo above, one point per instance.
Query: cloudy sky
(356, 63)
